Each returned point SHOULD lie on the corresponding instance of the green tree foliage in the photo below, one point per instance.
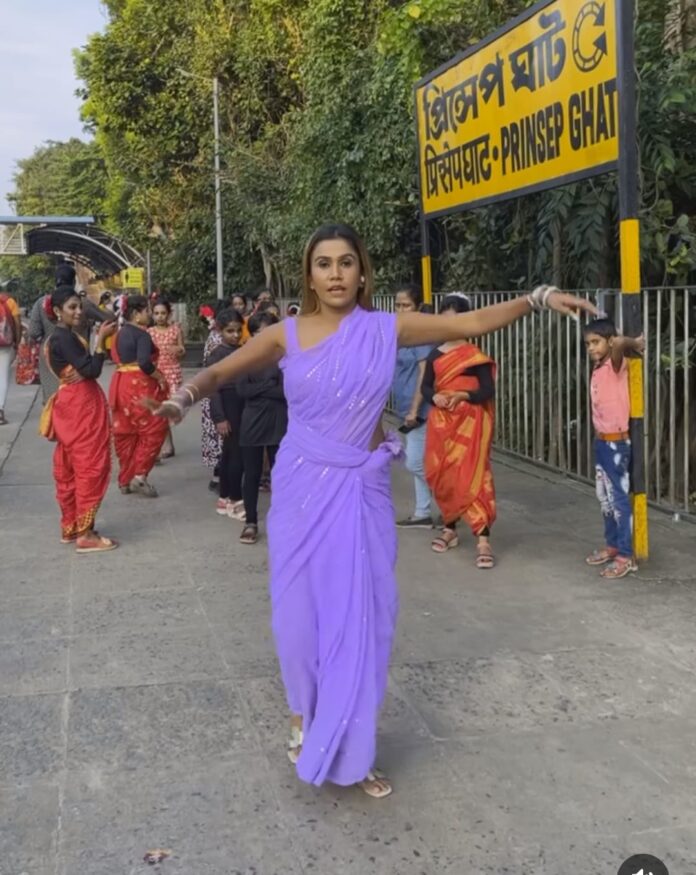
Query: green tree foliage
(317, 124)
(64, 179)
(59, 179)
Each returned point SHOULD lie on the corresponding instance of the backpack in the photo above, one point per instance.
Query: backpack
(7, 324)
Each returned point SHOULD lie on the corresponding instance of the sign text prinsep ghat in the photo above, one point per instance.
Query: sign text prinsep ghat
(532, 108)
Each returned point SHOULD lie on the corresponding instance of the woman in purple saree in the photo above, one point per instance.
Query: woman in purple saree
(332, 537)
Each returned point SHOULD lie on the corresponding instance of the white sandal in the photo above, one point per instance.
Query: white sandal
(235, 510)
(370, 785)
(295, 744)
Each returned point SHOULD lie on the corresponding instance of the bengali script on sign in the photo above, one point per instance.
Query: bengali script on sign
(534, 107)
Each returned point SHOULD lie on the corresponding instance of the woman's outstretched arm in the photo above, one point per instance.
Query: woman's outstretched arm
(264, 349)
(417, 328)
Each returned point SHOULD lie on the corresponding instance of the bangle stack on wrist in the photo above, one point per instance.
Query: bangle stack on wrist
(185, 398)
(539, 298)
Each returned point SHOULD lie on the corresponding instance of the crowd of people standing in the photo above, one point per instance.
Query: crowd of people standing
(305, 398)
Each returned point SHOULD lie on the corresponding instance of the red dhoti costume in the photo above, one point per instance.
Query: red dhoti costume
(82, 458)
(138, 435)
(77, 417)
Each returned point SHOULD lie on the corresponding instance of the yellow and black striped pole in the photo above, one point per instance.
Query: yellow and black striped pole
(629, 201)
(426, 263)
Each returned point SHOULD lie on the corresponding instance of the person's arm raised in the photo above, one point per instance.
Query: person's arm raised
(264, 349)
(420, 328)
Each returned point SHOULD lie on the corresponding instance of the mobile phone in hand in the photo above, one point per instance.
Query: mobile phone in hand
(405, 429)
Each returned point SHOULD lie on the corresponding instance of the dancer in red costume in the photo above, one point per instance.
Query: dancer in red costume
(77, 417)
(138, 435)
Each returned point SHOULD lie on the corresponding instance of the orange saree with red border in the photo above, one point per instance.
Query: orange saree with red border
(458, 444)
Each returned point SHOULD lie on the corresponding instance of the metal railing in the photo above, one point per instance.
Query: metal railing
(542, 394)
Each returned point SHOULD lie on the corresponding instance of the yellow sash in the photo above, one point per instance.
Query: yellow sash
(46, 428)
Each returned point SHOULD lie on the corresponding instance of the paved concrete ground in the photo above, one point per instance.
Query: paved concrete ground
(539, 722)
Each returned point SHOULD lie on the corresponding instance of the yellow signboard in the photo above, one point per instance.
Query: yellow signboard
(133, 278)
(533, 106)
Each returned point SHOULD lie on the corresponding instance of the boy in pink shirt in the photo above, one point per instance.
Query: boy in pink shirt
(610, 418)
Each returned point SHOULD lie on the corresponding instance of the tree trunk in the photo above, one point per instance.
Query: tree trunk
(680, 25)
(267, 266)
(557, 266)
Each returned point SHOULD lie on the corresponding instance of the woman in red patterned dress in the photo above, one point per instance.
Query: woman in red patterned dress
(138, 435)
(169, 340)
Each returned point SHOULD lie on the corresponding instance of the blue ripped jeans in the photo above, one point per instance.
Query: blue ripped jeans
(612, 466)
(415, 451)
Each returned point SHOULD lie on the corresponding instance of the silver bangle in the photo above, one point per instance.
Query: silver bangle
(181, 399)
(174, 403)
(190, 388)
(539, 298)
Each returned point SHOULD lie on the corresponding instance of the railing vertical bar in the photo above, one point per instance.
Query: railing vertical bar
(517, 387)
(672, 395)
(589, 449)
(658, 395)
(686, 414)
(525, 386)
(566, 416)
(559, 393)
(541, 448)
(550, 393)
(498, 391)
(579, 387)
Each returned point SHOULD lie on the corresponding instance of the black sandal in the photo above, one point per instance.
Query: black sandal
(250, 534)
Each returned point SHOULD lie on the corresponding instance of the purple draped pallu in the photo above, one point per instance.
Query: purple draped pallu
(332, 544)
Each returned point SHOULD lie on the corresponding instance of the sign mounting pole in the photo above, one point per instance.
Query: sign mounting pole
(629, 202)
(426, 261)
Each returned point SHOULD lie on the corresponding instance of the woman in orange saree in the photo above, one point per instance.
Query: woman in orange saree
(138, 435)
(459, 382)
(77, 418)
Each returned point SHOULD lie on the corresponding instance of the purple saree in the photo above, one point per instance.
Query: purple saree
(332, 544)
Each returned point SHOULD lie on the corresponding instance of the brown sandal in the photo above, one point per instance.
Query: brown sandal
(95, 545)
(602, 556)
(620, 567)
(448, 540)
(376, 785)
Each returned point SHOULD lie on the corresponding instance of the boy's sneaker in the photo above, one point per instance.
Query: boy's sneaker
(424, 522)
(222, 506)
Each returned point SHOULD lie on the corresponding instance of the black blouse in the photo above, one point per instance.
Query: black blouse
(225, 404)
(265, 414)
(65, 348)
(135, 346)
(483, 373)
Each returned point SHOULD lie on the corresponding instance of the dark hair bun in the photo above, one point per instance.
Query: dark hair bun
(62, 295)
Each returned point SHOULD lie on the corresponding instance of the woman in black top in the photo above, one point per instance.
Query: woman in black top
(264, 423)
(459, 383)
(138, 435)
(226, 412)
(77, 417)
